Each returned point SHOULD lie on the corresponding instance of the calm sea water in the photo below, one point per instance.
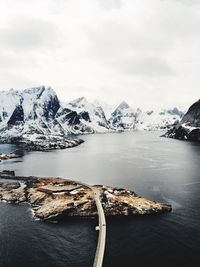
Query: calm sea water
(158, 168)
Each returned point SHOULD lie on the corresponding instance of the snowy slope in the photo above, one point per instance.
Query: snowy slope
(124, 117)
(107, 108)
(90, 115)
(158, 119)
(9, 101)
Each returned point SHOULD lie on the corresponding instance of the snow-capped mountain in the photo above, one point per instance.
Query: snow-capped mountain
(124, 117)
(38, 111)
(29, 111)
(159, 119)
(189, 127)
(93, 117)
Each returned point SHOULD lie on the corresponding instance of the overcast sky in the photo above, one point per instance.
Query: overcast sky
(146, 52)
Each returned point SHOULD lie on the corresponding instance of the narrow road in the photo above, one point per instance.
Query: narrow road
(98, 261)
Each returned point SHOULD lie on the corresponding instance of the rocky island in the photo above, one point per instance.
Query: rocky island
(54, 198)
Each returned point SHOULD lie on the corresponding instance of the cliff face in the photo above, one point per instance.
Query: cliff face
(52, 198)
(189, 126)
(17, 116)
(192, 117)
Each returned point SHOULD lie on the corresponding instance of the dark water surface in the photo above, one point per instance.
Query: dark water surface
(158, 168)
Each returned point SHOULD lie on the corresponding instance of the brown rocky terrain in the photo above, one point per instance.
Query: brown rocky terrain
(52, 198)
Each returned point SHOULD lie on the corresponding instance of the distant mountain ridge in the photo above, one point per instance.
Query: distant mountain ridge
(38, 111)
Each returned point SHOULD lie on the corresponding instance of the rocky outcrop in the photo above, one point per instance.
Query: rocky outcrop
(45, 143)
(119, 201)
(54, 198)
(12, 192)
(189, 126)
(7, 156)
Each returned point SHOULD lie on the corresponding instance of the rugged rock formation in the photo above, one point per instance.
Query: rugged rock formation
(12, 192)
(189, 126)
(53, 198)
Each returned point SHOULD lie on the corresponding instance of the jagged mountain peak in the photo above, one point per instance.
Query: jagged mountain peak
(40, 91)
(123, 117)
(124, 109)
(81, 101)
(35, 90)
(123, 105)
(107, 108)
(176, 111)
(89, 114)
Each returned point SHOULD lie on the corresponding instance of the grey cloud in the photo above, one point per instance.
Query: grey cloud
(110, 4)
(16, 60)
(188, 2)
(28, 33)
(149, 66)
(129, 49)
(181, 23)
(15, 79)
(115, 37)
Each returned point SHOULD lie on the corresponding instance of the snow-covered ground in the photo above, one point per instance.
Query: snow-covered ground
(157, 119)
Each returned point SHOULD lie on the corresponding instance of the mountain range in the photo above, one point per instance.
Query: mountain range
(38, 111)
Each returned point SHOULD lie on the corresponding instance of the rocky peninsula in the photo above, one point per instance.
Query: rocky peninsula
(54, 198)
(40, 142)
(6, 156)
